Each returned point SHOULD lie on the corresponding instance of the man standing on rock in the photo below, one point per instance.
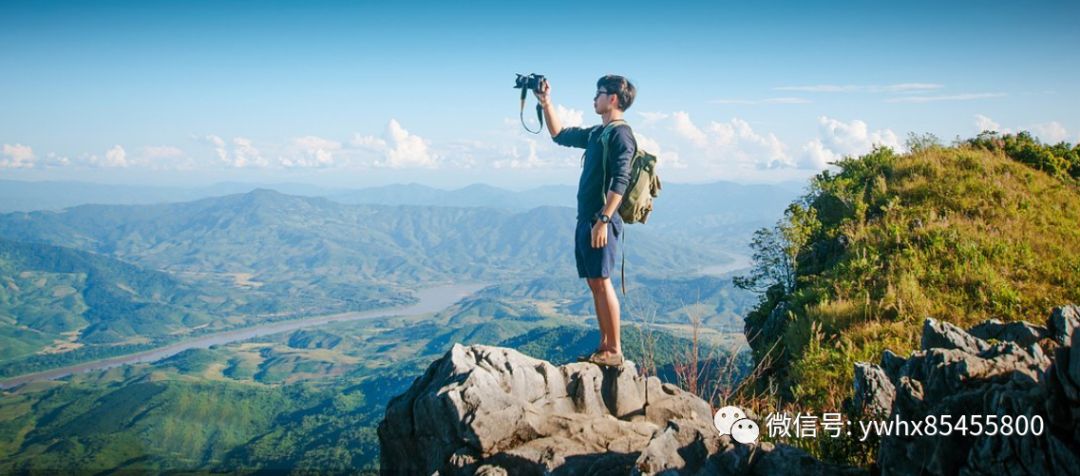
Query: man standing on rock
(600, 190)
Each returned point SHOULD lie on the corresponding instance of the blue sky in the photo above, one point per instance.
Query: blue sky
(366, 93)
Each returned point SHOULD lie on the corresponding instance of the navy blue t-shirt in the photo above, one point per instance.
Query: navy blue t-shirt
(591, 190)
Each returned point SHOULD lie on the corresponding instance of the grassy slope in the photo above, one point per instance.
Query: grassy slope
(959, 234)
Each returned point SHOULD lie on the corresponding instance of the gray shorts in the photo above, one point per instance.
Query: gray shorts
(596, 262)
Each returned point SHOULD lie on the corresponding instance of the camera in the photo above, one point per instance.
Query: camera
(531, 81)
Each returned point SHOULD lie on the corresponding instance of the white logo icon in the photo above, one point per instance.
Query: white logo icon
(745, 431)
(727, 416)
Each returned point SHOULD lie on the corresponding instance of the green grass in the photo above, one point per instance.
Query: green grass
(961, 234)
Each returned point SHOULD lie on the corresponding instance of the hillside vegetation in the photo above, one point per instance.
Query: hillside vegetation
(988, 228)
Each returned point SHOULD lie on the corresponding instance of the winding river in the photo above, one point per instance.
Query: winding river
(430, 300)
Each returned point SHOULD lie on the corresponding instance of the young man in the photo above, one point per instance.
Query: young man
(600, 190)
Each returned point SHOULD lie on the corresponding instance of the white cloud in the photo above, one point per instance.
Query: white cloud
(1050, 132)
(837, 139)
(115, 157)
(951, 97)
(816, 156)
(530, 160)
(398, 147)
(764, 151)
(684, 127)
(650, 118)
(569, 117)
(17, 156)
(311, 151)
(718, 149)
(983, 123)
(853, 88)
(243, 153)
(54, 160)
(664, 158)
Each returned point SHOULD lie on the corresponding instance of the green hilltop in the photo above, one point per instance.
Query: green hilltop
(986, 229)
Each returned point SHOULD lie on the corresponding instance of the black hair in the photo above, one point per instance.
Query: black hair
(620, 87)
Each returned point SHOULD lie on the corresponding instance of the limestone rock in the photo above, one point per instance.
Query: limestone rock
(960, 374)
(493, 411)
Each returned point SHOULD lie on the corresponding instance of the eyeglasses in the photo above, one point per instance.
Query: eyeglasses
(598, 93)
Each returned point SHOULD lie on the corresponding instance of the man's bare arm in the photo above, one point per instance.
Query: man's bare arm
(612, 205)
(544, 98)
(599, 229)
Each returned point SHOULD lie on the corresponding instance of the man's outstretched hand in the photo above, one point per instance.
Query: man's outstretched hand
(543, 94)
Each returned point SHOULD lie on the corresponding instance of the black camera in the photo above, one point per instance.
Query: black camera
(530, 81)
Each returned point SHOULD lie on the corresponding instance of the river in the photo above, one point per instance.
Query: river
(739, 262)
(430, 300)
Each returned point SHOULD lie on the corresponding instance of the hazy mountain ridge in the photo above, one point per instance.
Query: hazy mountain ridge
(278, 237)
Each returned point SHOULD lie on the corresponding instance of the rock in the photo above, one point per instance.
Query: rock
(939, 334)
(958, 373)
(1074, 359)
(1020, 333)
(874, 393)
(1063, 321)
(493, 411)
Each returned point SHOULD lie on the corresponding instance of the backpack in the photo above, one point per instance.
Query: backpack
(637, 202)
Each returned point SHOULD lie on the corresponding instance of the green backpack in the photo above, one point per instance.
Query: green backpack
(644, 185)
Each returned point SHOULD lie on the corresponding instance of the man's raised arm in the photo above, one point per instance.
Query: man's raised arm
(543, 96)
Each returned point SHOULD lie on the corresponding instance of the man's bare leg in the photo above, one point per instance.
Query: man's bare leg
(596, 286)
(607, 313)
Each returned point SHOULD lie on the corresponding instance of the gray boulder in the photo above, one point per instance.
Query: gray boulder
(961, 374)
(493, 411)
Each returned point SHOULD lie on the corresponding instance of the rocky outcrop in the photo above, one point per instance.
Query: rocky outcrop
(992, 371)
(493, 411)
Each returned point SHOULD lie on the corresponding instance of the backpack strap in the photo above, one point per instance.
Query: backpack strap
(605, 137)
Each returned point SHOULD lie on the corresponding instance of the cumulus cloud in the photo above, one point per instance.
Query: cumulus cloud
(17, 156)
(398, 147)
(684, 127)
(837, 139)
(311, 151)
(242, 154)
(650, 118)
(114, 157)
(522, 160)
(983, 123)
(717, 148)
(664, 158)
(569, 117)
(765, 150)
(1050, 132)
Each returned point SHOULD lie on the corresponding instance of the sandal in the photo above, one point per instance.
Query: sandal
(607, 359)
(588, 357)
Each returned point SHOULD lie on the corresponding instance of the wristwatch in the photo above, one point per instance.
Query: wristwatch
(604, 218)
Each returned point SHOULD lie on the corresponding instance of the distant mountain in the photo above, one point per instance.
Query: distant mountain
(679, 206)
(476, 195)
(20, 196)
(280, 241)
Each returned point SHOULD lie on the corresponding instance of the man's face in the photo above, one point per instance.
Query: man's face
(604, 101)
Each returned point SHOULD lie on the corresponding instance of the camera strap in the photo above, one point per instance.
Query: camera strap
(539, 113)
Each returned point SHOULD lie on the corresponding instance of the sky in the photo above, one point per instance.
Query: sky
(370, 93)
